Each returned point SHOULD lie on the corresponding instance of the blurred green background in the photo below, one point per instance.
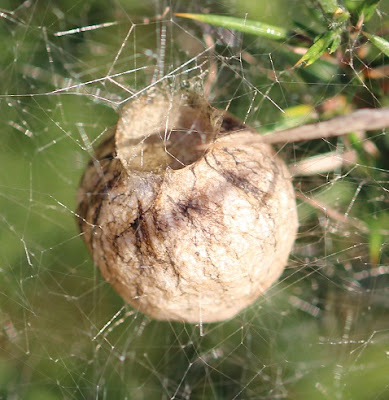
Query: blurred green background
(321, 333)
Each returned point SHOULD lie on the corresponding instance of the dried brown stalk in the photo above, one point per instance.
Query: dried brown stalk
(362, 120)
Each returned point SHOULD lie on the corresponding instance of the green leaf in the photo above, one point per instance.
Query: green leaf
(240, 24)
(335, 44)
(332, 8)
(379, 42)
(296, 116)
(368, 8)
(321, 45)
(329, 6)
(376, 241)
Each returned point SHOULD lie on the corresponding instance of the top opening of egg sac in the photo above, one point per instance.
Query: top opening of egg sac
(173, 133)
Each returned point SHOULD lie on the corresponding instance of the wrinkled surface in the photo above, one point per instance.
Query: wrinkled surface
(194, 242)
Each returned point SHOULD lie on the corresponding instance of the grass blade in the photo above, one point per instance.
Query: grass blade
(321, 45)
(368, 8)
(379, 42)
(329, 6)
(241, 25)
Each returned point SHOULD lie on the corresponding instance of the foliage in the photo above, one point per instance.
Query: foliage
(339, 28)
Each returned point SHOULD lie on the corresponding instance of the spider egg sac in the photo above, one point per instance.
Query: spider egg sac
(185, 222)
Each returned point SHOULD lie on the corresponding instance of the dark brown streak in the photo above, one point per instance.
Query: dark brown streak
(234, 179)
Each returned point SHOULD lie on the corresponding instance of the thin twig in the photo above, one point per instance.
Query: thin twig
(322, 163)
(362, 120)
(333, 214)
(212, 75)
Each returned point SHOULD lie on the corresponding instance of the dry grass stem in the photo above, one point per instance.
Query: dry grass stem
(361, 120)
(322, 163)
(331, 213)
